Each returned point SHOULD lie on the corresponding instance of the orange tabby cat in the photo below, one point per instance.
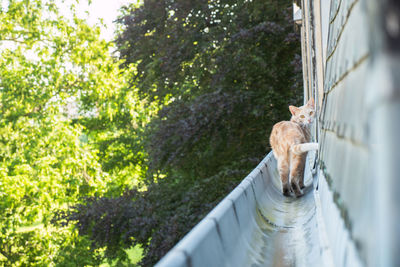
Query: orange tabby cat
(289, 141)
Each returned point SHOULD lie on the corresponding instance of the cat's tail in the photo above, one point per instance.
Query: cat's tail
(303, 148)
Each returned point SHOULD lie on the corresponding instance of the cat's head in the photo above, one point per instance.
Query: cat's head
(303, 115)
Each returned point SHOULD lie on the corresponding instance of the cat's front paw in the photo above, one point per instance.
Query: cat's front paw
(299, 193)
(286, 190)
(297, 189)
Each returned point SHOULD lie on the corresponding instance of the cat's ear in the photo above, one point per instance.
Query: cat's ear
(293, 110)
(311, 102)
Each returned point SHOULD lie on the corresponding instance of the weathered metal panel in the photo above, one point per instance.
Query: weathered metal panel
(358, 142)
(383, 101)
(344, 153)
(325, 8)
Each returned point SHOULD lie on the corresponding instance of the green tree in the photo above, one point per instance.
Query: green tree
(226, 70)
(222, 73)
(61, 92)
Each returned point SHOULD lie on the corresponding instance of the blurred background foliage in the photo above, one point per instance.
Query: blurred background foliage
(107, 155)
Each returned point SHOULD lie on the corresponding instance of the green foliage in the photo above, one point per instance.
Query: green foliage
(99, 155)
(220, 74)
(61, 92)
(227, 71)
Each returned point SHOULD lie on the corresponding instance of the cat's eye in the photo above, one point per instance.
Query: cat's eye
(302, 116)
(311, 112)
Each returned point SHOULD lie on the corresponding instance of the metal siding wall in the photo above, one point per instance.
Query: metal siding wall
(344, 121)
(359, 131)
(307, 40)
(325, 6)
(383, 102)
